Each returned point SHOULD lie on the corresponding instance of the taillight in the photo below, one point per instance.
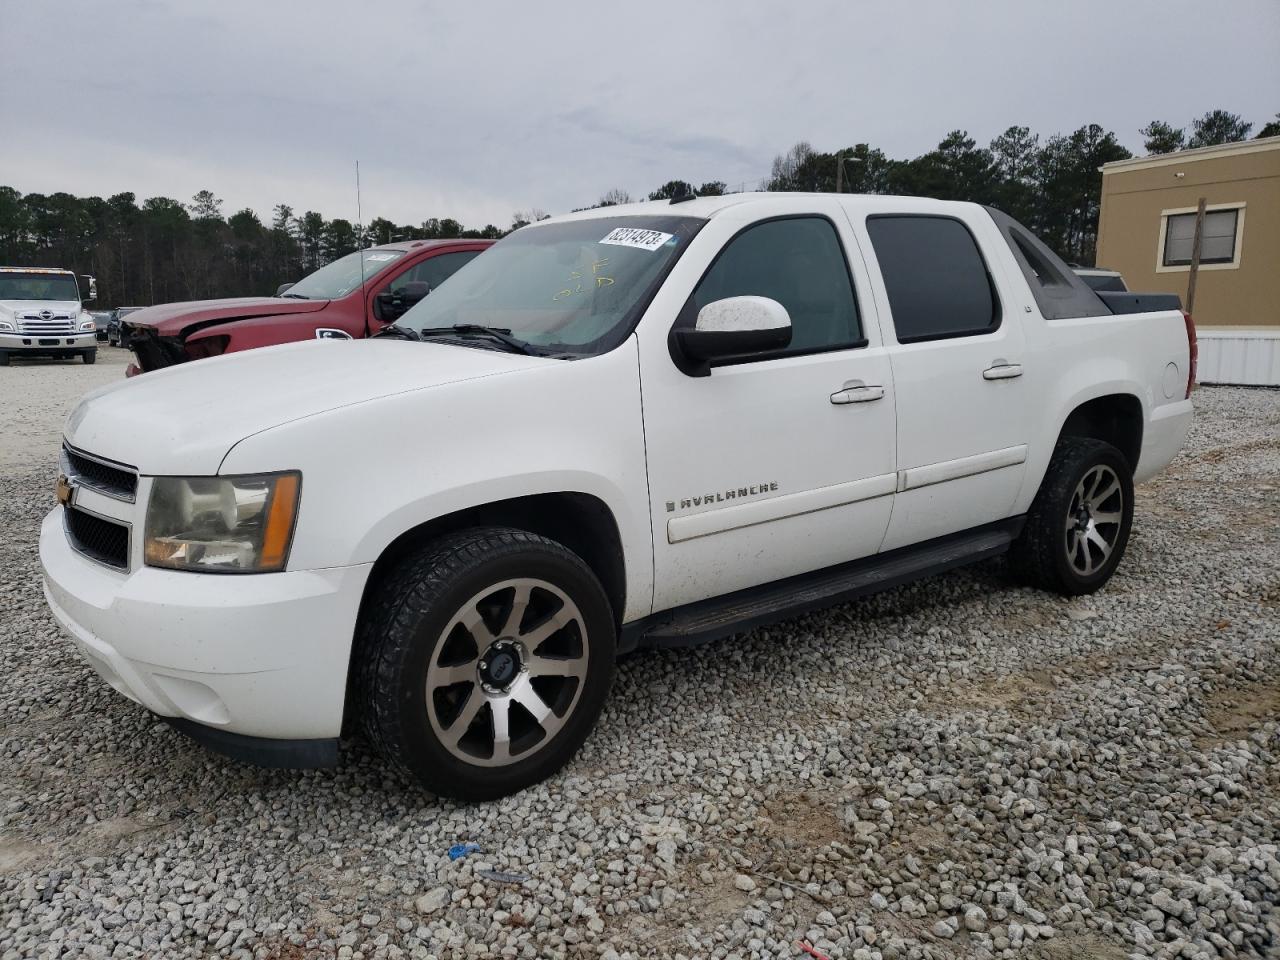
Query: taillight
(1193, 352)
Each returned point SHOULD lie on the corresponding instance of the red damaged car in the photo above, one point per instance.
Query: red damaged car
(355, 296)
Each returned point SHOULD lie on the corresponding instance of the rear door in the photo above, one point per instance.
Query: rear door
(965, 392)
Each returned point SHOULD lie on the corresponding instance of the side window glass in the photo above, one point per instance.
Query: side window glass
(799, 263)
(434, 270)
(937, 281)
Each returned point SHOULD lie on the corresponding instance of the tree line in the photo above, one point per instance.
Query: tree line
(163, 250)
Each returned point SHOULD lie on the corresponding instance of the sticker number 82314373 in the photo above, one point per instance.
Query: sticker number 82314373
(637, 237)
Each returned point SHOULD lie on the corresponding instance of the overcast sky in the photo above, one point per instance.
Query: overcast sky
(474, 110)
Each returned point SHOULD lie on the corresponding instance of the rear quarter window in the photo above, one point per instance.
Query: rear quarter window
(936, 279)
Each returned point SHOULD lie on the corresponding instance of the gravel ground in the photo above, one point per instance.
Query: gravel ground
(956, 768)
(38, 394)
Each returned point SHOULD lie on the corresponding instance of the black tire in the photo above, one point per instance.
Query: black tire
(402, 628)
(90, 356)
(4, 359)
(1047, 554)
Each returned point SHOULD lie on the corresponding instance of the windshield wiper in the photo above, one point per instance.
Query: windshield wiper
(294, 296)
(497, 334)
(398, 332)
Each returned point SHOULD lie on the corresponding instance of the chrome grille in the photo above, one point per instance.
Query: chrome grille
(56, 324)
(97, 538)
(107, 477)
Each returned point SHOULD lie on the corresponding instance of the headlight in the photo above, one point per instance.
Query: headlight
(6, 325)
(87, 325)
(222, 524)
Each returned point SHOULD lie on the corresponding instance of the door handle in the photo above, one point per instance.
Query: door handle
(1002, 371)
(855, 391)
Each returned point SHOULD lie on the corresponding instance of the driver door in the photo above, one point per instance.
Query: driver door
(764, 469)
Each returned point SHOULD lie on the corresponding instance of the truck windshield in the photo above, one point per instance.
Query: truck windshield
(38, 286)
(575, 287)
(339, 278)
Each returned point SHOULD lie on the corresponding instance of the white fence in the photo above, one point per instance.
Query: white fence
(1246, 356)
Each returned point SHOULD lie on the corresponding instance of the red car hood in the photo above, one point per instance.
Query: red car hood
(171, 319)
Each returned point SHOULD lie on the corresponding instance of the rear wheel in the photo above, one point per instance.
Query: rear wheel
(484, 661)
(1078, 524)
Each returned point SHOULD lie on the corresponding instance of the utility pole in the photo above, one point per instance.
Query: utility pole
(839, 173)
(1195, 258)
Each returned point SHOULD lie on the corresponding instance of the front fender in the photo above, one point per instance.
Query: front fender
(372, 471)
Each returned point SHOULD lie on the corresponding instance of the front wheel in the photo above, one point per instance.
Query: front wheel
(484, 661)
(90, 356)
(4, 359)
(1078, 524)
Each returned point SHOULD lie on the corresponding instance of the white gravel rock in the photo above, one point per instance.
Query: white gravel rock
(433, 901)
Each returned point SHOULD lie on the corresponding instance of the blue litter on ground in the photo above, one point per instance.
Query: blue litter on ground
(460, 850)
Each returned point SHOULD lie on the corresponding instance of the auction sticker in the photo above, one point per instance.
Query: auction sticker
(636, 237)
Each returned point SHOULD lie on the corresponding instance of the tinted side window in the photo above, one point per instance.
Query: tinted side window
(936, 279)
(798, 262)
(435, 270)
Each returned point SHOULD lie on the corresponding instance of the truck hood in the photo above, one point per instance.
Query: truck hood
(12, 308)
(184, 419)
(171, 319)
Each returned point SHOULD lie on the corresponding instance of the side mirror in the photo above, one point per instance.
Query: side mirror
(93, 287)
(733, 328)
(283, 287)
(391, 305)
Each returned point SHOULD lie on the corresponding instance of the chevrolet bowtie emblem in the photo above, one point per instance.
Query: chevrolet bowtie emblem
(64, 490)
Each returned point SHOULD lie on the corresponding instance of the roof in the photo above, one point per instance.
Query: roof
(1179, 157)
(707, 207)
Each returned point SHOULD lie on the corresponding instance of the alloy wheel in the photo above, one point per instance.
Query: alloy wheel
(507, 672)
(1094, 520)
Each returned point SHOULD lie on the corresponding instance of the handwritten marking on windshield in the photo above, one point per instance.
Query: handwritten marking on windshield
(576, 278)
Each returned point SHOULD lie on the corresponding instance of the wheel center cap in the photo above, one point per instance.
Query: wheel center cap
(500, 665)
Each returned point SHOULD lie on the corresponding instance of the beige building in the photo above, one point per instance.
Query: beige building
(1146, 232)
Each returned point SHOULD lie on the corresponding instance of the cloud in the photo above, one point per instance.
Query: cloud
(474, 111)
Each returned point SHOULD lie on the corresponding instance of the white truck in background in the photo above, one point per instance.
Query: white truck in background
(645, 425)
(42, 315)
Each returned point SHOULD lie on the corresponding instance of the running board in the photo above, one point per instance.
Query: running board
(757, 606)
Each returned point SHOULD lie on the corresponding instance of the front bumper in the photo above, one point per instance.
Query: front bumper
(248, 656)
(48, 345)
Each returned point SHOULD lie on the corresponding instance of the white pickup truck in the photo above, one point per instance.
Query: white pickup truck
(645, 425)
(41, 315)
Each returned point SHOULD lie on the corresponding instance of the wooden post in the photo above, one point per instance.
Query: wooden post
(839, 173)
(1195, 258)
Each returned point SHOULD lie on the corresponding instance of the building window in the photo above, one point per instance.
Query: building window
(1219, 240)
